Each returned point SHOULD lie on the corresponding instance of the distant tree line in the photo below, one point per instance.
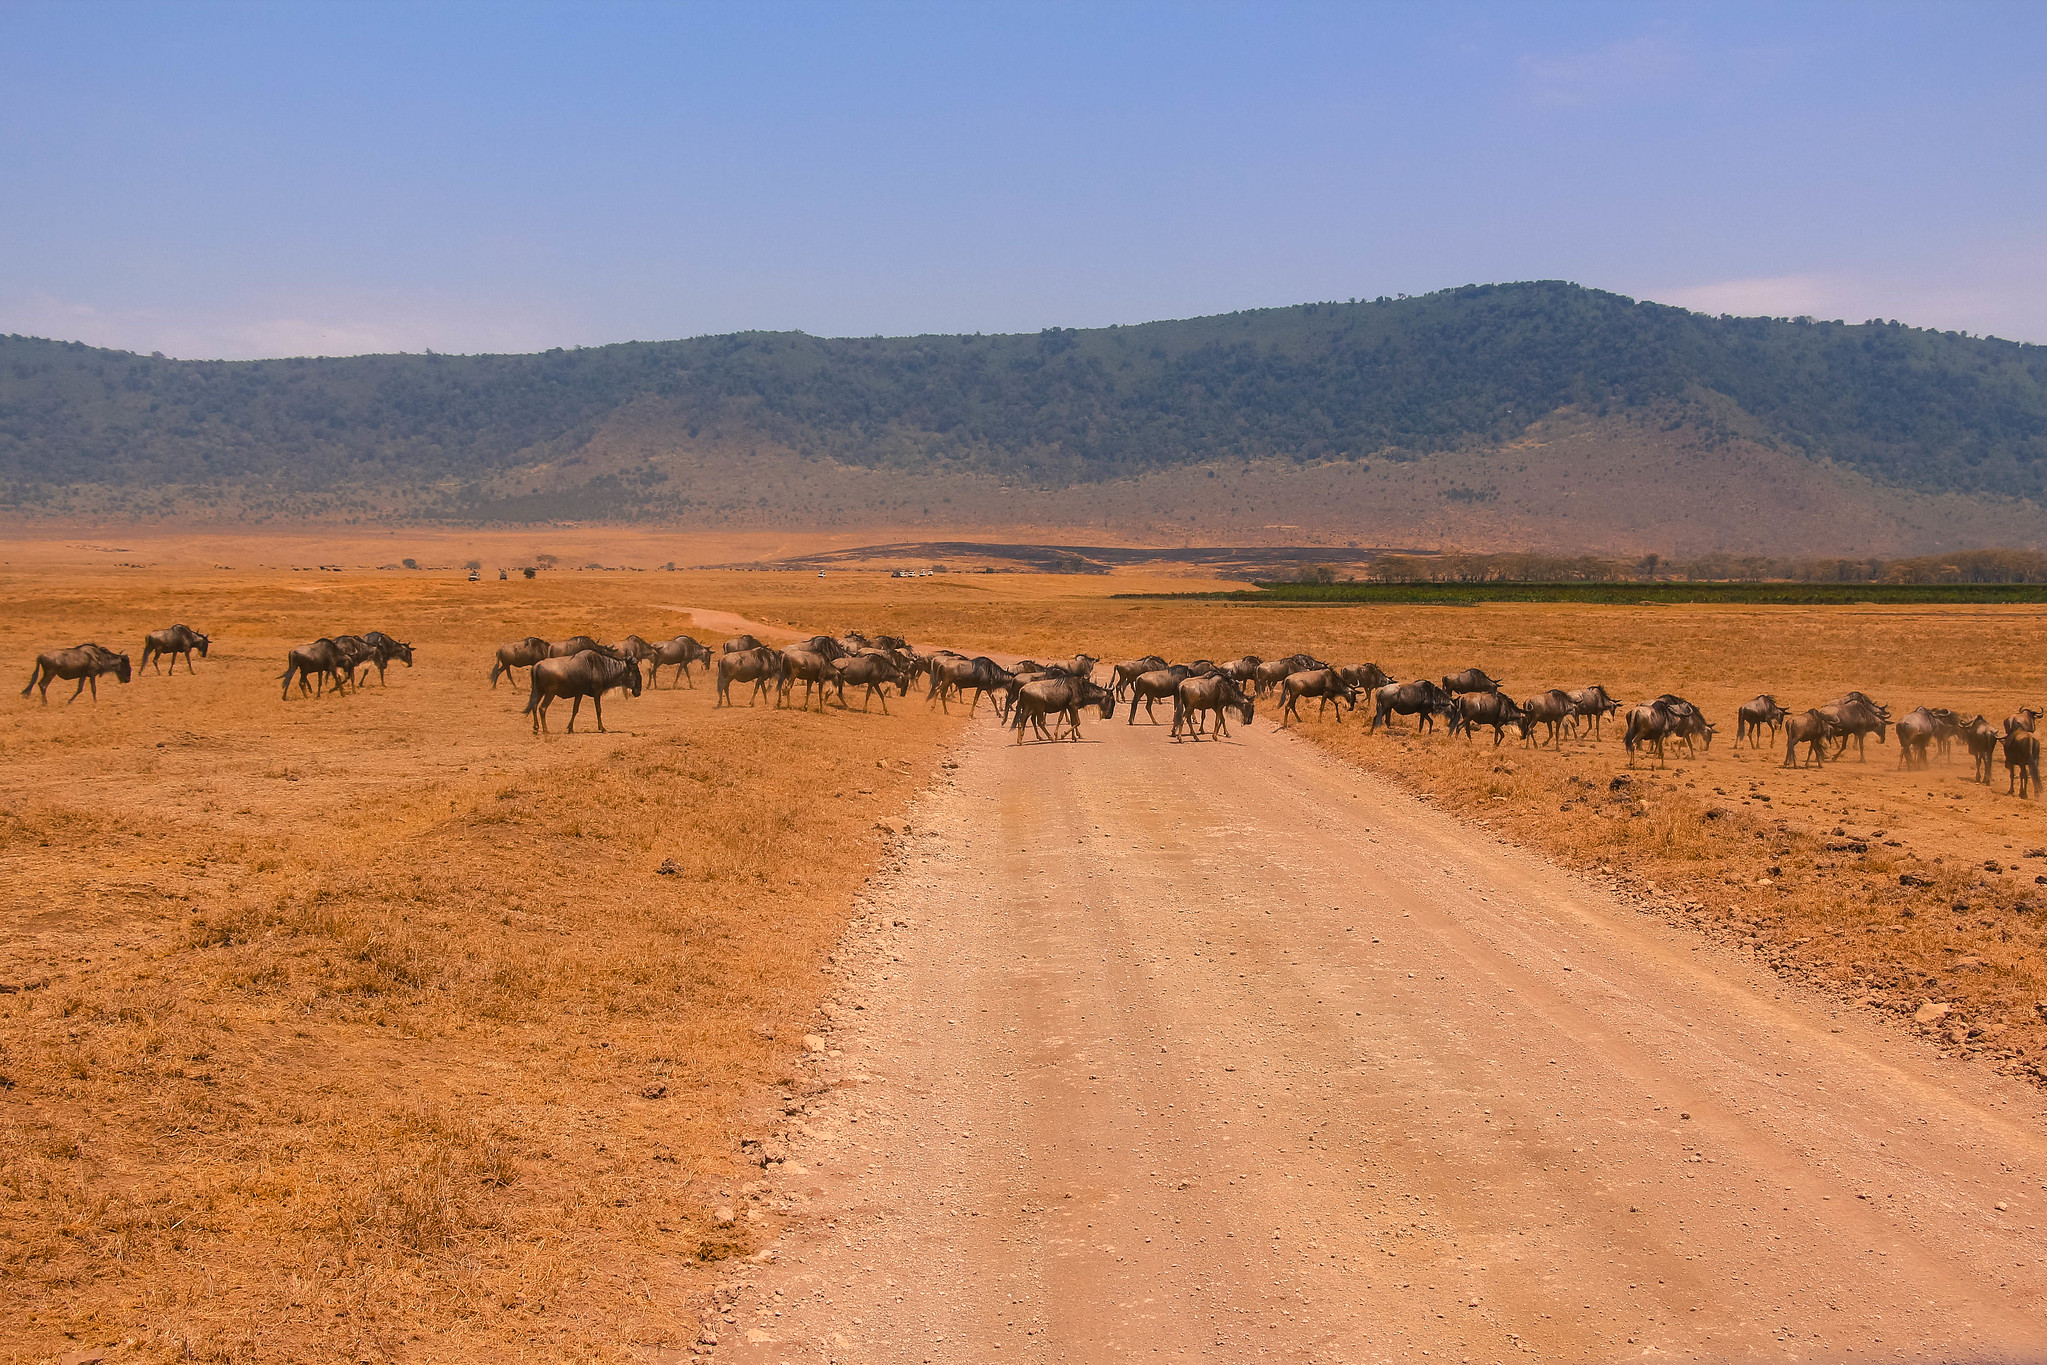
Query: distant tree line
(1967, 566)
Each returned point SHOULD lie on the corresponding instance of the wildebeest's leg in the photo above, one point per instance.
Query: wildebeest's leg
(575, 705)
(597, 705)
(80, 688)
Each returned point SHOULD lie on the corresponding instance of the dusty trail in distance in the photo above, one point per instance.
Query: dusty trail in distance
(1224, 1050)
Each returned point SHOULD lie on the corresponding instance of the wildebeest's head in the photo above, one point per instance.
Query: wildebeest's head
(121, 668)
(204, 641)
(402, 652)
(632, 676)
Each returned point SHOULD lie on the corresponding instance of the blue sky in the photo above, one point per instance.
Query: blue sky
(245, 180)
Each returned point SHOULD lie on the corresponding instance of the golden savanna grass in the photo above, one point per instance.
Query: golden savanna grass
(366, 1028)
(1802, 867)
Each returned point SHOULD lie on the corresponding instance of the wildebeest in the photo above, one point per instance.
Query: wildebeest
(518, 654)
(1919, 728)
(827, 646)
(385, 650)
(1123, 674)
(2025, 718)
(872, 669)
(682, 651)
(1593, 704)
(814, 671)
(1061, 697)
(738, 643)
(355, 652)
(84, 663)
(1157, 685)
(1421, 699)
(758, 665)
(1243, 669)
(1813, 729)
(1496, 709)
(1268, 675)
(1855, 716)
(1469, 680)
(1653, 722)
(174, 641)
(1981, 737)
(1365, 677)
(1080, 666)
(321, 661)
(1552, 708)
(578, 644)
(1325, 683)
(587, 674)
(1690, 723)
(2022, 762)
(954, 675)
(1218, 693)
(1753, 717)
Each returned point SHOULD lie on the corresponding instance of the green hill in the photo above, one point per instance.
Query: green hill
(1391, 379)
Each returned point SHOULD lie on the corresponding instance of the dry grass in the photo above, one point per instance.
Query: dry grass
(366, 1029)
(1728, 840)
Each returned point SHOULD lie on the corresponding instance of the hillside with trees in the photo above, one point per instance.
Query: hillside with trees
(1385, 381)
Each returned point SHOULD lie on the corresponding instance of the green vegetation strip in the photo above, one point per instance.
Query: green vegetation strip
(1767, 594)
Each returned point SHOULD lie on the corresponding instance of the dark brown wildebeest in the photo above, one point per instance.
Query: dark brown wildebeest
(385, 649)
(634, 648)
(1552, 708)
(588, 674)
(321, 660)
(1690, 723)
(814, 671)
(1648, 727)
(2022, 762)
(174, 641)
(1217, 692)
(1855, 716)
(1325, 683)
(518, 654)
(1061, 696)
(355, 652)
(1981, 737)
(84, 663)
(2025, 718)
(895, 642)
(1272, 672)
(578, 644)
(953, 675)
(1243, 670)
(1079, 666)
(1813, 729)
(828, 646)
(1421, 699)
(1474, 709)
(1593, 704)
(1365, 677)
(1921, 728)
(682, 651)
(1005, 700)
(1123, 674)
(1470, 680)
(758, 666)
(1753, 717)
(738, 643)
(1155, 686)
(873, 669)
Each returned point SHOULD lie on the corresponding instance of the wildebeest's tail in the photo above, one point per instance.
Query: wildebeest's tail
(533, 700)
(34, 674)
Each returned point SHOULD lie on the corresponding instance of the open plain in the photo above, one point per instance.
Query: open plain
(369, 1027)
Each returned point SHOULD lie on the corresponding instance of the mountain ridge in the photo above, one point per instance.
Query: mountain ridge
(1891, 410)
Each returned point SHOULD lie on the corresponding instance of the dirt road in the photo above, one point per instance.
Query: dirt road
(1221, 1051)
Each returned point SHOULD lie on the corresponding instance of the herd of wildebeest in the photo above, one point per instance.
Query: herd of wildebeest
(1203, 694)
